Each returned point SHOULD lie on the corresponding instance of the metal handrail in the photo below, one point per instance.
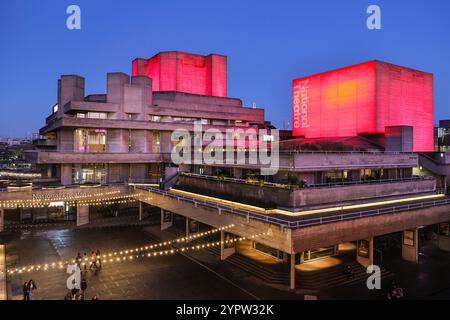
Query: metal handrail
(323, 185)
(303, 222)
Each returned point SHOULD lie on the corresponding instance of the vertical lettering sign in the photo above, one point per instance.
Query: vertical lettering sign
(300, 103)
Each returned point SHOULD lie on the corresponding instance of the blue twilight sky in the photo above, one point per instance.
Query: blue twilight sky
(268, 43)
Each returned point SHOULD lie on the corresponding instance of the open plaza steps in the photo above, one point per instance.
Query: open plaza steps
(317, 280)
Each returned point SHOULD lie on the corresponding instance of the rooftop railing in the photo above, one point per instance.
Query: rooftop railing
(322, 185)
(301, 222)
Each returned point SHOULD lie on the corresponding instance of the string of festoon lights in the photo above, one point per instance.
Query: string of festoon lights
(137, 253)
(103, 199)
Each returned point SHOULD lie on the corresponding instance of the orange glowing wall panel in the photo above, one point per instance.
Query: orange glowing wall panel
(364, 98)
(405, 98)
(185, 72)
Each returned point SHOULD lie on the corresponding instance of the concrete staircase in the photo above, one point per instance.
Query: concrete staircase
(279, 275)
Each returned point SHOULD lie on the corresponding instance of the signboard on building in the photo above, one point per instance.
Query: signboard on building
(408, 238)
(363, 248)
(194, 226)
(229, 240)
(167, 216)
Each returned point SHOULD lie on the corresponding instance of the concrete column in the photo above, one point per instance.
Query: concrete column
(292, 271)
(364, 252)
(166, 219)
(3, 293)
(410, 245)
(82, 215)
(226, 249)
(140, 210)
(66, 174)
(237, 173)
(187, 229)
(2, 220)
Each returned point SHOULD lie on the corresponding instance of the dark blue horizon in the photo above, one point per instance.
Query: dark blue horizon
(268, 44)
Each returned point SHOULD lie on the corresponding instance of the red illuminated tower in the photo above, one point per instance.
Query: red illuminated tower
(365, 98)
(185, 72)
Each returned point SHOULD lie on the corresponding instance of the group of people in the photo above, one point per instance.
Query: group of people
(28, 288)
(94, 262)
(79, 294)
(395, 292)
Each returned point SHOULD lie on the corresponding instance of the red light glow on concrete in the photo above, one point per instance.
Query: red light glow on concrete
(365, 98)
(185, 72)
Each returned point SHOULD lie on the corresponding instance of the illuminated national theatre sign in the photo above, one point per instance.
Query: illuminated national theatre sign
(364, 98)
(301, 100)
(58, 196)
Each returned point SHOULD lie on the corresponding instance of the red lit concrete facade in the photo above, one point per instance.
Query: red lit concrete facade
(365, 99)
(125, 136)
(185, 72)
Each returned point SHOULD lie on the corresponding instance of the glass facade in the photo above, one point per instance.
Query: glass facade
(156, 142)
(89, 173)
(90, 140)
(320, 253)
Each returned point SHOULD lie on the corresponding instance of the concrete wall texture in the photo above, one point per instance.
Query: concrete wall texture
(185, 72)
(306, 197)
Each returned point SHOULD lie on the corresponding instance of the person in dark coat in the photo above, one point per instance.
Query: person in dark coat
(83, 285)
(25, 291)
(31, 287)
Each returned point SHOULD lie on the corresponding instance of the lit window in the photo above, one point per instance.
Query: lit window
(155, 119)
(97, 115)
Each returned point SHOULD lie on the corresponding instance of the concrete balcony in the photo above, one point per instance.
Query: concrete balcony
(317, 161)
(73, 122)
(90, 106)
(48, 157)
(45, 143)
(436, 162)
(278, 196)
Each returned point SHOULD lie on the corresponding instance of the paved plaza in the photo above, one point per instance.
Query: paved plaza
(199, 276)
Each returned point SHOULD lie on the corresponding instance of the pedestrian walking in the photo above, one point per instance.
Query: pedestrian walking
(31, 287)
(85, 261)
(83, 285)
(68, 296)
(93, 261)
(25, 291)
(99, 259)
(79, 260)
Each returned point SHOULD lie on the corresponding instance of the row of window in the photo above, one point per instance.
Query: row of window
(94, 140)
(98, 172)
(93, 115)
(153, 118)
